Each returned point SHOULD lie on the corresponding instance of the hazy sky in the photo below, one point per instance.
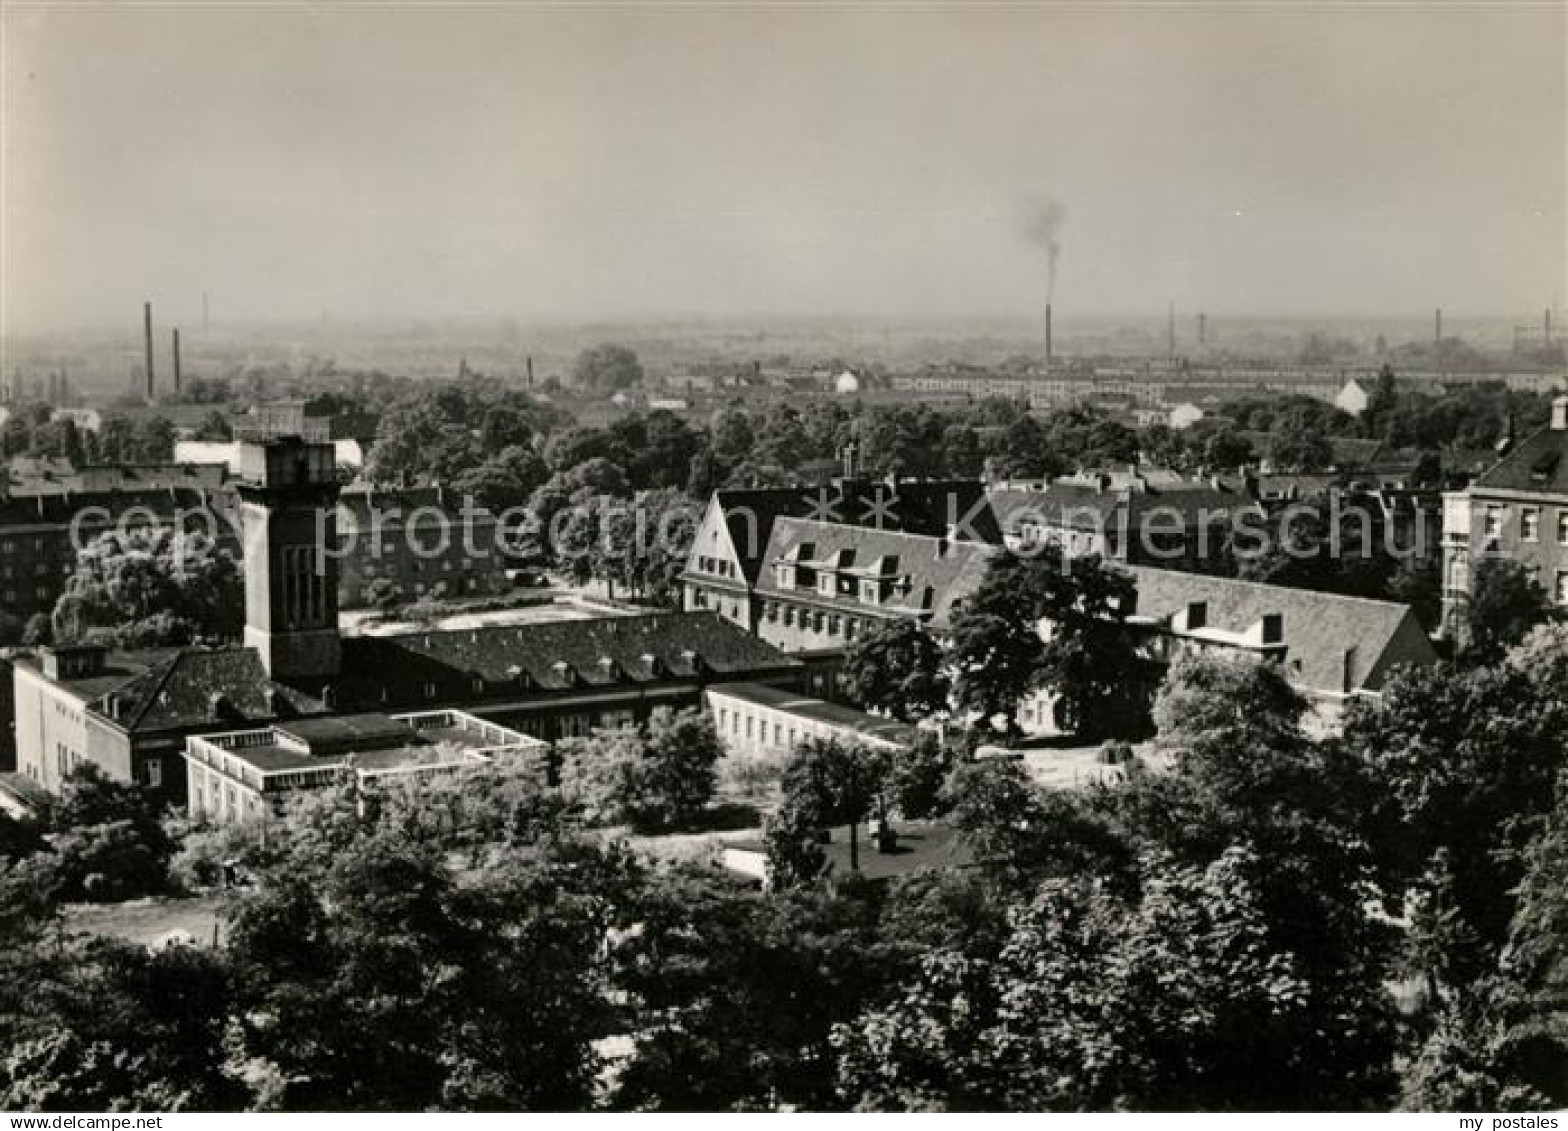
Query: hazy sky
(575, 163)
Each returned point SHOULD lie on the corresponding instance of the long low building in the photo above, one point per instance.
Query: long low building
(758, 721)
(246, 776)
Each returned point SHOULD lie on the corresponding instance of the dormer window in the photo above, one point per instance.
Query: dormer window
(870, 593)
(826, 584)
(784, 575)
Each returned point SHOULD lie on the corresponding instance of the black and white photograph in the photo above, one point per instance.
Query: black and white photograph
(826, 557)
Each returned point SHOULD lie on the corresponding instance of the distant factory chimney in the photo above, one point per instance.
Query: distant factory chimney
(530, 365)
(147, 343)
(1170, 328)
(1437, 336)
(176, 360)
(1203, 328)
(1048, 336)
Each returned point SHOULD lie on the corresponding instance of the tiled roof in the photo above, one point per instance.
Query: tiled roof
(505, 661)
(935, 579)
(188, 687)
(1539, 463)
(1318, 628)
(918, 507)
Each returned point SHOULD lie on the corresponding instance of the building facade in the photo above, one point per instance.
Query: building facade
(1516, 510)
(133, 713)
(766, 723)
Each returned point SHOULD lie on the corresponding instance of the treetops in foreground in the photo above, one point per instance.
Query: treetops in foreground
(1273, 922)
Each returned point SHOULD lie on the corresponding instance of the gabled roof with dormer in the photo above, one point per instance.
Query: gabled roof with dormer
(916, 575)
(911, 506)
(461, 666)
(1322, 633)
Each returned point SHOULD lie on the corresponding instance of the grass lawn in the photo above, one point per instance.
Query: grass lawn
(148, 922)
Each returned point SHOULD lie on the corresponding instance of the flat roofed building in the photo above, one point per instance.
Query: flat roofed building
(245, 776)
(757, 721)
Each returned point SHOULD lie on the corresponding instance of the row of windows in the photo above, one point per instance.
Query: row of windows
(1529, 523)
(42, 593)
(814, 620)
(737, 723)
(869, 591)
(720, 567)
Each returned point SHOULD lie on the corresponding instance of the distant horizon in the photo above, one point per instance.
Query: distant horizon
(193, 332)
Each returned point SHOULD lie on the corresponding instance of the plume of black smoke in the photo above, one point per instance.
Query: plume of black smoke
(1044, 229)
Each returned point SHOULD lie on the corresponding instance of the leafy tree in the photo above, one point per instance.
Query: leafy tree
(385, 985)
(1206, 696)
(1026, 452)
(655, 777)
(1457, 767)
(737, 994)
(112, 1026)
(655, 449)
(1173, 1000)
(109, 840)
(505, 480)
(1306, 450)
(1086, 658)
(828, 782)
(215, 427)
(1502, 1042)
(898, 669)
(916, 775)
(1227, 450)
(1506, 602)
(150, 587)
(607, 369)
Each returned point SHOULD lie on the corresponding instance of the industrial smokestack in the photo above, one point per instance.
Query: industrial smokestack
(1437, 337)
(1170, 328)
(176, 359)
(530, 371)
(147, 342)
(1203, 328)
(1048, 336)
